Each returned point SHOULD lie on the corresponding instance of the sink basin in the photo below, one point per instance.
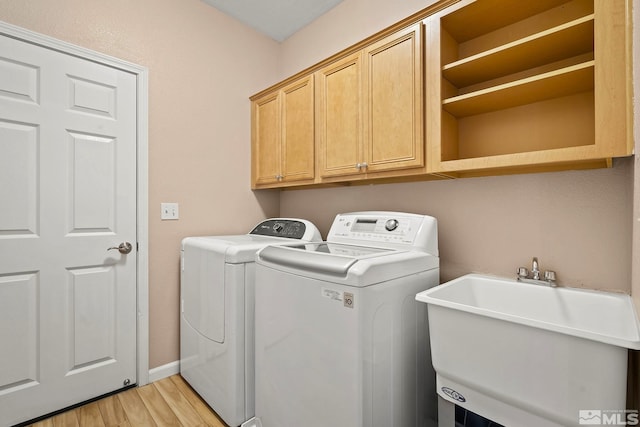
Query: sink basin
(530, 355)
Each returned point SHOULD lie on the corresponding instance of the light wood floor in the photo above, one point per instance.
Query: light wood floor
(168, 402)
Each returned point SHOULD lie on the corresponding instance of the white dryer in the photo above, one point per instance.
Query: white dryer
(340, 339)
(217, 303)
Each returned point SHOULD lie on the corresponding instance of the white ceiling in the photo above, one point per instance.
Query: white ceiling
(276, 18)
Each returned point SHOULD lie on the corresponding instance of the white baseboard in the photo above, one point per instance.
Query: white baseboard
(164, 371)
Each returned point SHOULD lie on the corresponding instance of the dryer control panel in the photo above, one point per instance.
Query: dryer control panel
(281, 227)
(389, 229)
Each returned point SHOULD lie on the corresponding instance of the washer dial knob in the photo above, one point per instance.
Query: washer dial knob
(278, 227)
(391, 224)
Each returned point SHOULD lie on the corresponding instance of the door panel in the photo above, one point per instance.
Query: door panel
(19, 81)
(92, 97)
(92, 295)
(18, 302)
(68, 192)
(18, 169)
(92, 178)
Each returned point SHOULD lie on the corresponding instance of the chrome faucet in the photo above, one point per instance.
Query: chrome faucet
(535, 272)
(534, 277)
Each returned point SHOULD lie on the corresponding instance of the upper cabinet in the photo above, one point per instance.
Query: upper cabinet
(519, 86)
(462, 88)
(283, 136)
(370, 116)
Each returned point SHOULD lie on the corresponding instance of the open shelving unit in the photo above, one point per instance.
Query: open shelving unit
(516, 85)
(563, 82)
(567, 40)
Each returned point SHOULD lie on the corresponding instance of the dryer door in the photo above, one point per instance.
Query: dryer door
(203, 289)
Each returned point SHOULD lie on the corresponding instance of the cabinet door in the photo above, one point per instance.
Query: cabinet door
(266, 139)
(393, 107)
(340, 117)
(297, 148)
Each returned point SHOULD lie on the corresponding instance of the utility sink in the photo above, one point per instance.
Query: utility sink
(530, 355)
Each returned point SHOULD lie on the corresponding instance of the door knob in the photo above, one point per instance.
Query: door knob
(123, 248)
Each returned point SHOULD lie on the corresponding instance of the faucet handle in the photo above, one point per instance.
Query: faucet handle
(523, 272)
(550, 276)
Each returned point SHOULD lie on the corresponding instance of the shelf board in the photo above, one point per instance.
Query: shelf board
(476, 171)
(555, 84)
(485, 16)
(564, 41)
(557, 156)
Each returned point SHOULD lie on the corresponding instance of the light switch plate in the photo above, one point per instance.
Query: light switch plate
(169, 211)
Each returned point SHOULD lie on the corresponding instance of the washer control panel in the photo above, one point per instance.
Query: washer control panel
(281, 227)
(381, 227)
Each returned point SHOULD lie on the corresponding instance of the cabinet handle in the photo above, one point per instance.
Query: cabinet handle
(279, 177)
(364, 165)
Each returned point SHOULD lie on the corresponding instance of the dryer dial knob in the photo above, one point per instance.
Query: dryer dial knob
(391, 224)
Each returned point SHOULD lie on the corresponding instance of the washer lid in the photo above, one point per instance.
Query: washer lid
(241, 248)
(236, 249)
(330, 258)
(351, 265)
(353, 251)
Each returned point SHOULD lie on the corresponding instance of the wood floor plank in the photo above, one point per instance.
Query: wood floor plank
(205, 412)
(178, 403)
(89, 415)
(141, 407)
(44, 423)
(158, 407)
(112, 412)
(134, 409)
(66, 419)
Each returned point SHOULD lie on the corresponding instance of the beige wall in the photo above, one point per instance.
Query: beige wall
(203, 66)
(578, 223)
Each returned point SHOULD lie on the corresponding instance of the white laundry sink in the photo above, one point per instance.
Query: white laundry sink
(530, 355)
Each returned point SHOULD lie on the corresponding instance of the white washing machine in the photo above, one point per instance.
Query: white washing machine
(216, 321)
(340, 339)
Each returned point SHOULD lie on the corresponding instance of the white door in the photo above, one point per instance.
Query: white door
(67, 193)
